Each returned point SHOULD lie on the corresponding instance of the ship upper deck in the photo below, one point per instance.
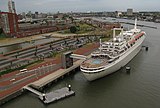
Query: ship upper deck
(94, 63)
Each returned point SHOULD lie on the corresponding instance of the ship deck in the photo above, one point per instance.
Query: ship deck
(94, 63)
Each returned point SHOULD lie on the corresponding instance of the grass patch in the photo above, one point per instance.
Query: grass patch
(32, 64)
(65, 32)
(82, 32)
(68, 32)
(105, 39)
(58, 54)
(81, 29)
(2, 36)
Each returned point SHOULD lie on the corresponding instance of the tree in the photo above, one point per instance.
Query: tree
(73, 29)
(72, 19)
(1, 30)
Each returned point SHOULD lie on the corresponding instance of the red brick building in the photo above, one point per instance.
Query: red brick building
(9, 23)
(102, 24)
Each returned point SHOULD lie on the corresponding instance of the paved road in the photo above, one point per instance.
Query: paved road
(23, 77)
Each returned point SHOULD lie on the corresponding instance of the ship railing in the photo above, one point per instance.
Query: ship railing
(91, 69)
(94, 69)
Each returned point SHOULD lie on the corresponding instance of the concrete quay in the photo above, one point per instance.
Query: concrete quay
(17, 90)
(10, 96)
(39, 84)
(54, 76)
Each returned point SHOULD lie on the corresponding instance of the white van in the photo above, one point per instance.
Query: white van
(23, 70)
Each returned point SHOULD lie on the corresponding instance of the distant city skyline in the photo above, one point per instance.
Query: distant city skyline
(81, 5)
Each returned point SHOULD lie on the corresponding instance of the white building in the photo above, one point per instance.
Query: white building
(118, 13)
(129, 11)
(11, 6)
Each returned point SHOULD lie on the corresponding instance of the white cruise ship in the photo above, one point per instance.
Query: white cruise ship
(114, 54)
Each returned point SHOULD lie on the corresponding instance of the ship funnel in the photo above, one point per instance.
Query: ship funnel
(135, 24)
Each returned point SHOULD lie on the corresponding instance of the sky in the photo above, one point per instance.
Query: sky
(81, 5)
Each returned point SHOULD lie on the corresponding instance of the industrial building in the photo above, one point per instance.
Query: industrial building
(9, 23)
(9, 20)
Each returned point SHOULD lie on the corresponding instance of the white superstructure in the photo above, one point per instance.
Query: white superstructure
(114, 54)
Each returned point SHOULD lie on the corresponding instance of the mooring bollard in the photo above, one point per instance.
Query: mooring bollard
(128, 69)
(69, 87)
(44, 97)
(146, 48)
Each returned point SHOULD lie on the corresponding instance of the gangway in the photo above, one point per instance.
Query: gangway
(33, 91)
(77, 56)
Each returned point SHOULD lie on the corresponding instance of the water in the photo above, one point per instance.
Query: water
(98, 61)
(139, 89)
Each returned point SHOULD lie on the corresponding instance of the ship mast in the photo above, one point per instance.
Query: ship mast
(114, 34)
(135, 24)
(122, 33)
